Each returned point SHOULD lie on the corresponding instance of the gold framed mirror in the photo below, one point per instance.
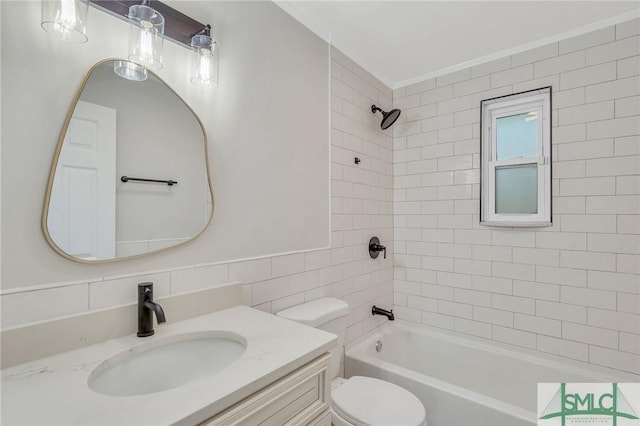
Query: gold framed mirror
(130, 174)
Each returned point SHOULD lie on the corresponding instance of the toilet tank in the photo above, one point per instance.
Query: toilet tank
(327, 314)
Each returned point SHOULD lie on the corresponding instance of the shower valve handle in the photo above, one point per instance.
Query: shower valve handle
(375, 248)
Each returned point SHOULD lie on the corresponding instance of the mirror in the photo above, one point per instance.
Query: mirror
(130, 174)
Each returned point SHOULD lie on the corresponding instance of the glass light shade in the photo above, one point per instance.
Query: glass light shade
(204, 61)
(129, 70)
(66, 19)
(146, 37)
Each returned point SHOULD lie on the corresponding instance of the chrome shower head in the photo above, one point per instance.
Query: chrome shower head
(388, 118)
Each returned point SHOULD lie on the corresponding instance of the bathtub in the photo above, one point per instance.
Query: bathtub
(466, 381)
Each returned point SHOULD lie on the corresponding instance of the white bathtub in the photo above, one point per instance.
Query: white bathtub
(466, 381)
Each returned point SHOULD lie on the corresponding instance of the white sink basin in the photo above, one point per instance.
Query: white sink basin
(166, 363)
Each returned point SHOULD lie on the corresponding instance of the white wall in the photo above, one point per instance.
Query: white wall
(572, 289)
(267, 125)
(361, 198)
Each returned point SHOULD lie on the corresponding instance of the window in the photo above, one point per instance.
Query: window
(515, 184)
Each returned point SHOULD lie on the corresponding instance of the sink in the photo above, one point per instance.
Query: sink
(166, 363)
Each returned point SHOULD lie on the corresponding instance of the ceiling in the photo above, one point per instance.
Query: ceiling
(401, 42)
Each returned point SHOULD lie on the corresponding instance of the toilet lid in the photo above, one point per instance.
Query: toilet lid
(366, 401)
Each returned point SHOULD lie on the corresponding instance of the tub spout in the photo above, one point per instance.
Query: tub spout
(379, 311)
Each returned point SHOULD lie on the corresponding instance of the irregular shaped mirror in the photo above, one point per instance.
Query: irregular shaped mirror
(130, 174)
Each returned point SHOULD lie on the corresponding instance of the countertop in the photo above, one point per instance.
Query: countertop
(54, 390)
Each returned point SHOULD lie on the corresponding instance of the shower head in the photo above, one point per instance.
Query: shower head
(388, 118)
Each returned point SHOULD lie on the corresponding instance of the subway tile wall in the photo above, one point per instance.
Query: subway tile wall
(571, 289)
(362, 206)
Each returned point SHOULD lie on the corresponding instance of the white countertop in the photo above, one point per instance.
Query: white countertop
(54, 390)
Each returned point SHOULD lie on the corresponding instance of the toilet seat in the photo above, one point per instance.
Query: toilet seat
(365, 401)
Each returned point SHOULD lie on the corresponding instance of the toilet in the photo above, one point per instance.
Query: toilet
(359, 401)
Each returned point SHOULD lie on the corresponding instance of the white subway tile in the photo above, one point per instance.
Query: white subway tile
(563, 276)
(489, 252)
(583, 41)
(454, 280)
(493, 316)
(613, 320)
(628, 224)
(626, 126)
(566, 348)
(561, 240)
(464, 236)
(435, 95)
(437, 122)
(422, 303)
(455, 309)
(630, 342)
(614, 243)
(438, 292)
(615, 359)
(568, 98)
(512, 75)
(474, 85)
(514, 337)
(419, 113)
(437, 320)
(590, 335)
(628, 303)
(588, 297)
(612, 51)
(629, 145)
(621, 88)
(629, 67)
(421, 86)
(627, 106)
(250, 271)
(192, 279)
(628, 185)
(461, 251)
(538, 325)
(571, 133)
(534, 55)
(491, 67)
(561, 311)
(627, 283)
(472, 327)
(513, 271)
(531, 256)
(32, 306)
(628, 28)
(569, 169)
(588, 260)
(437, 151)
(455, 134)
(457, 221)
(586, 113)
(628, 263)
(558, 64)
(459, 162)
(589, 223)
(473, 267)
(536, 290)
(422, 139)
(492, 284)
(619, 204)
(513, 303)
(437, 263)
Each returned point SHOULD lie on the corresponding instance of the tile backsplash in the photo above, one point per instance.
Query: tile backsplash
(571, 289)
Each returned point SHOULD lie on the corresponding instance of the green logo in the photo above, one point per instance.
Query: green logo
(612, 404)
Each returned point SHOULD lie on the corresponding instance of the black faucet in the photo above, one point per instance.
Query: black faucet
(379, 311)
(146, 308)
(375, 248)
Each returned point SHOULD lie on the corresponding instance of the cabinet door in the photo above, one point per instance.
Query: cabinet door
(300, 398)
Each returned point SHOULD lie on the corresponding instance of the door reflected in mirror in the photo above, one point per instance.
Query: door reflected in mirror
(130, 174)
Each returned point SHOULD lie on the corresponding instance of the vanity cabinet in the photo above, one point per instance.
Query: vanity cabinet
(300, 398)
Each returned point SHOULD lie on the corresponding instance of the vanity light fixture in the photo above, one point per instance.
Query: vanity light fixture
(204, 59)
(130, 71)
(66, 19)
(146, 35)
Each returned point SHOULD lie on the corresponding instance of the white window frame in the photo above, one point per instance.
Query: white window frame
(538, 100)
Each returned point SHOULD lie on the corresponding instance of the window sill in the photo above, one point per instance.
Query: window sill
(517, 224)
